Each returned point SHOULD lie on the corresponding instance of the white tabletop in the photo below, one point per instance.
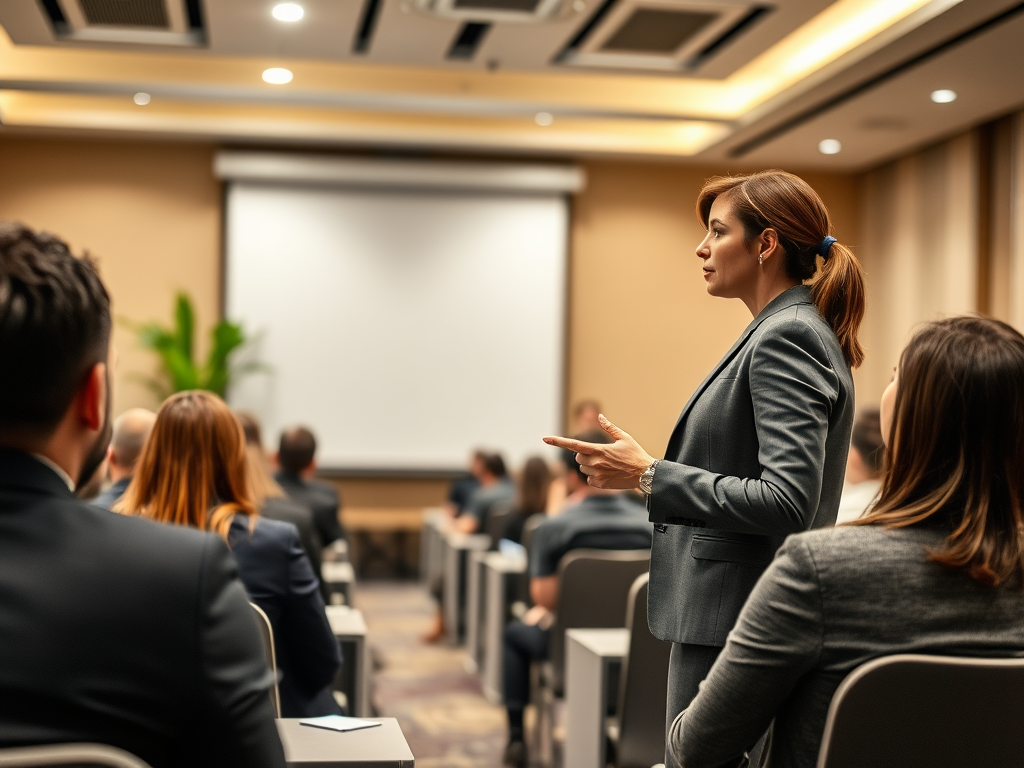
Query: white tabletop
(346, 621)
(601, 642)
(383, 746)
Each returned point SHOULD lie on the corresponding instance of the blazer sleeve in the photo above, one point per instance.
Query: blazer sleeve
(315, 656)
(235, 725)
(776, 640)
(793, 387)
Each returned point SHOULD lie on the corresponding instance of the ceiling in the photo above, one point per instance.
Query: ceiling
(709, 81)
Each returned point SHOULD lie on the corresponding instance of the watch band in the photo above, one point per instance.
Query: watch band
(647, 478)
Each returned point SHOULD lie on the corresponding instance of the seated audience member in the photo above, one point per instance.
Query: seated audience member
(531, 498)
(496, 487)
(585, 415)
(463, 487)
(936, 567)
(270, 498)
(112, 630)
(296, 458)
(863, 467)
(194, 472)
(131, 429)
(601, 520)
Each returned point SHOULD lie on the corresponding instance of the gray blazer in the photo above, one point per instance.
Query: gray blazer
(758, 453)
(831, 601)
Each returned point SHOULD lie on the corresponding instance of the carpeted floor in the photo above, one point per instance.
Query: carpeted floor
(443, 713)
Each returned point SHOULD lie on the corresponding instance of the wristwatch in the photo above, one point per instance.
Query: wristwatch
(647, 479)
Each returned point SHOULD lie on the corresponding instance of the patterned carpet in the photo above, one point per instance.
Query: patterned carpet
(445, 717)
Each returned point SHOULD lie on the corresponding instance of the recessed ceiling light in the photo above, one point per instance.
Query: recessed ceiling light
(277, 75)
(142, 99)
(943, 96)
(544, 119)
(288, 12)
(829, 147)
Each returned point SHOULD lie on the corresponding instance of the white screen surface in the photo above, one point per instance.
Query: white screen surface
(405, 328)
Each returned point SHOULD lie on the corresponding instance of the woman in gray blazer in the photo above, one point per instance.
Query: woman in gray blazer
(937, 567)
(759, 451)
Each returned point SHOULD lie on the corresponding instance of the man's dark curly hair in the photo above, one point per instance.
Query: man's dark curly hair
(54, 327)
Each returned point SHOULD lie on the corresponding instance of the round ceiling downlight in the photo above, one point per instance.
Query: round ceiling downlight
(288, 12)
(829, 147)
(277, 75)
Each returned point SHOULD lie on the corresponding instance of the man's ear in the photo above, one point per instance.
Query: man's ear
(92, 398)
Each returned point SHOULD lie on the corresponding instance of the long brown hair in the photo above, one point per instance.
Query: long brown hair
(193, 470)
(956, 446)
(786, 203)
(534, 485)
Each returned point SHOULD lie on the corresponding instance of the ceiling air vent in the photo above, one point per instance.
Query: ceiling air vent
(132, 22)
(495, 10)
(664, 35)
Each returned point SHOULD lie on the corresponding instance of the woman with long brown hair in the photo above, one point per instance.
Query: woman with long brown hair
(937, 567)
(759, 451)
(194, 472)
(531, 497)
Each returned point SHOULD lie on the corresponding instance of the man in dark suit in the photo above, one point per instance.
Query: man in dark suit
(131, 429)
(113, 629)
(296, 458)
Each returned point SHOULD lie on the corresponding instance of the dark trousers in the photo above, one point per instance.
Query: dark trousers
(688, 665)
(523, 644)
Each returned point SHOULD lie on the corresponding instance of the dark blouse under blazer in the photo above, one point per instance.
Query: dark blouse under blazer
(758, 453)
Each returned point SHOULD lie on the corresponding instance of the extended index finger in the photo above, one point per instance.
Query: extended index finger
(577, 446)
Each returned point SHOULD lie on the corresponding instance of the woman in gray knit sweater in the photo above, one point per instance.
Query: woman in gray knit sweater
(936, 568)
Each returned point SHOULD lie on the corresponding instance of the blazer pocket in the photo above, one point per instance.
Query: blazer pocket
(705, 547)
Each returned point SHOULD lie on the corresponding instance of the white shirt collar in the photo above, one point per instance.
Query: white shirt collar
(60, 472)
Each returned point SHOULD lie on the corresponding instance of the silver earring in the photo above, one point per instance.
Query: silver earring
(760, 259)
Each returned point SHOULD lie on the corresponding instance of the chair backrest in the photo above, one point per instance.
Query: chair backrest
(936, 711)
(643, 687)
(267, 632)
(69, 754)
(593, 587)
(496, 519)
(526, 539)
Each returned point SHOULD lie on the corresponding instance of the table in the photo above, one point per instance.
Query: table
(499, 572)
(339, 579)
(381, 747)
(349, 629)
(475, 600)
(435, 522)
(455, 545)
(593, 660)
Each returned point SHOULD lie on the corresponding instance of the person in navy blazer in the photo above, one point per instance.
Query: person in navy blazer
(759, 451)
(194, 471)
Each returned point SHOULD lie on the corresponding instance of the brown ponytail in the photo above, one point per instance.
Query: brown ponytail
(786, 203)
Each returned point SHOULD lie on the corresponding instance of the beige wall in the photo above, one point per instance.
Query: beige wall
(149, 213)
(642, 331)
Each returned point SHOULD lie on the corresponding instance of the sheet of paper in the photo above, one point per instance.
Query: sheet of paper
(339, 723)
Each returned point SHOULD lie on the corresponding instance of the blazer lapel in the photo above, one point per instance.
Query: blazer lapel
(800, 294)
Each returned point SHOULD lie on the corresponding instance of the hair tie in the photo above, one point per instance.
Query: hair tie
(826, 246)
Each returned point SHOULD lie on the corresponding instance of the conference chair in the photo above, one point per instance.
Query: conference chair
(593, 588)
(522, 586)
(496, 519)
(917, 711)
(267, 632)
(69, 754)
(637, 732)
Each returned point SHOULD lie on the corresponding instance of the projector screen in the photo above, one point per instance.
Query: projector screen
(405, 327)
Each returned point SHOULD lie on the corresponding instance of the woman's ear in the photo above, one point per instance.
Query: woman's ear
(768, 244)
